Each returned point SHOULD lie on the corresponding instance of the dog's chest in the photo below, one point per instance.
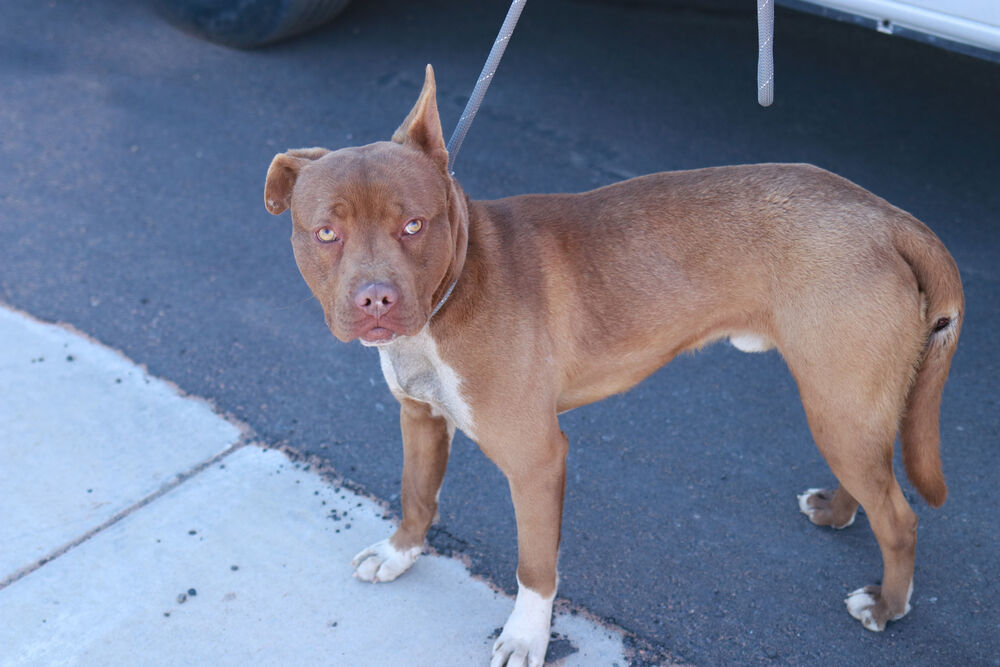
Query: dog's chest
(413, 368)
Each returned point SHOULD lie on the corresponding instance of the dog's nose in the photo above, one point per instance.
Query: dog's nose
(376, 299)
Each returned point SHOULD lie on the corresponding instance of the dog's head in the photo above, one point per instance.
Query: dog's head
(379, 231)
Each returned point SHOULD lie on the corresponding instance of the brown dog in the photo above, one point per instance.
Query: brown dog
(496, 316)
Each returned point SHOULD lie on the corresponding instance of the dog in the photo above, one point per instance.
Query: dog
(494, 317)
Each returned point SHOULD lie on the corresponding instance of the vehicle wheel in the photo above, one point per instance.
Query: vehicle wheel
(248, 23)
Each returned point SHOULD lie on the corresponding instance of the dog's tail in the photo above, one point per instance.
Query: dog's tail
(944, 308)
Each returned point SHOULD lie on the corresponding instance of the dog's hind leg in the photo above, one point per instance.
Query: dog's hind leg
(895, 527)
(853, 351)
(859, 450)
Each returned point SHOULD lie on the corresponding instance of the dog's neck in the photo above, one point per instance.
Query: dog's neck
(458, 216)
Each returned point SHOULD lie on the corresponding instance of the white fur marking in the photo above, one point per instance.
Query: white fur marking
(859, 605)
(525, 635)
(804, 502)
(850, 522)
(907, 608)
(382, 562)
(413, 368)
(811, 511)
(749, 342)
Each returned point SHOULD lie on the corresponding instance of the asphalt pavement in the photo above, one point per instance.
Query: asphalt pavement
(132, 209)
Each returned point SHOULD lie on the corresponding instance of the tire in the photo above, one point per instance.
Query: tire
(248, 23)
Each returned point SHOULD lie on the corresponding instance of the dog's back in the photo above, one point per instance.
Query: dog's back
(780, 254)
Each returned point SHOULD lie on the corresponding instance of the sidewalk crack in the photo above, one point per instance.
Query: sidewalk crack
(176, 481)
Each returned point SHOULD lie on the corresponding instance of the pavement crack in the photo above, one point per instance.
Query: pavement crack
(167, 487)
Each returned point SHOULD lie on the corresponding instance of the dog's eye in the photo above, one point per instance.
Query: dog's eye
(413, 226)
(326, 235)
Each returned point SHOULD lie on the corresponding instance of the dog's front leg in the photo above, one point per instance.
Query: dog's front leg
(537, 477)
(426, 444)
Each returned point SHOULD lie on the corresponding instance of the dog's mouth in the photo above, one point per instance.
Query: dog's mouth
(370, 329)
(379, 331)
(377, 335)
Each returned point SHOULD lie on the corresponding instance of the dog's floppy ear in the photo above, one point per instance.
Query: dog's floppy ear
(422, 128)
(281, 176)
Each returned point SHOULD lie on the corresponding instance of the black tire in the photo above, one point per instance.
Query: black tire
(248, 23)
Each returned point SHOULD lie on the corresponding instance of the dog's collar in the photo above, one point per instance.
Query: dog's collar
(443, 299)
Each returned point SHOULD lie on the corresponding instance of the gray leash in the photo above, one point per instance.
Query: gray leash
(765, 52)
(485, 77)
(476, 99)
(765, 69)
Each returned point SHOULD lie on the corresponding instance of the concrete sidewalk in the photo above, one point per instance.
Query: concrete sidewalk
(137, 527)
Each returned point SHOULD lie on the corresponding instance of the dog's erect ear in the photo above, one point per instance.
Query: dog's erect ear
(422, 128)
(281, 176)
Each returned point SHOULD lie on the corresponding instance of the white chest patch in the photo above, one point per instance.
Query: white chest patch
(413, 368)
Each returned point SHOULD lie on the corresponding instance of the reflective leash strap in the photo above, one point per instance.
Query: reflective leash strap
(765, 52)
(765, 69)
(485, 77)
(472, 106)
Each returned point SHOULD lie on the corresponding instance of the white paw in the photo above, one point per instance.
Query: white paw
(383, 562)
(862, 603)
(810, 512)
(804, 502)
(525, 635)
(859, 605)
